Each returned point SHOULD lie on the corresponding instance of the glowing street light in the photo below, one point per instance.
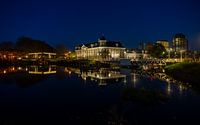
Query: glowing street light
(169, 50)
(181, 52)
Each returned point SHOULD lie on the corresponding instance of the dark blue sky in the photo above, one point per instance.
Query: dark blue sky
(78, 21)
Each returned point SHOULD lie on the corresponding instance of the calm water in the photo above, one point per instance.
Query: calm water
(62, 95)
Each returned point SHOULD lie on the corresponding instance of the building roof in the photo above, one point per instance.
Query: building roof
(162, 41)
(98, 44)
(179, 35)
(102, 38)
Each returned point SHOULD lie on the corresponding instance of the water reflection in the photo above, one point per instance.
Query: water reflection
(25, 76)
(63, 92)
(42, 70)
(103, 76)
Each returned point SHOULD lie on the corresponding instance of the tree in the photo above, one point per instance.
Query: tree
(158, 51)
(27, 44)
(61, 50)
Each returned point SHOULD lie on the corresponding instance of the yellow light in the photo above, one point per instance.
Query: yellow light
(125, 80)
(134, 78)
(163, 70)
(4, 71)
(19, 68)
(84, 78)
(180, 88)
(168, 88)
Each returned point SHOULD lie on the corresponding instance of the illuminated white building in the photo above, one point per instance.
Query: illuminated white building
(103, 50)
(136, 54)
(130, 55)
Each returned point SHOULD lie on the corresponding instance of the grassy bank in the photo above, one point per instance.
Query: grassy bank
(186, 72)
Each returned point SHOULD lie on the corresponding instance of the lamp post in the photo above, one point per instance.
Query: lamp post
(169, 54)
(169, 50)
(181, 52)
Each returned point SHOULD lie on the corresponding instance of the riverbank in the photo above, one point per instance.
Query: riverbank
(86, 64)
(186, 72)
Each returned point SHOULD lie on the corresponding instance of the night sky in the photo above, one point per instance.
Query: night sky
(80, 21)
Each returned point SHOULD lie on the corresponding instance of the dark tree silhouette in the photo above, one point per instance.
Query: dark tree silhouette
(61, 49)
(158, 51)
(27, 44)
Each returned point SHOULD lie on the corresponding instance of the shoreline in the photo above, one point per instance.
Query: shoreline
(185, 72)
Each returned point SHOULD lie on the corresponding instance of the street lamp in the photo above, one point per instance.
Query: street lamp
(181, 52)
(169, 50)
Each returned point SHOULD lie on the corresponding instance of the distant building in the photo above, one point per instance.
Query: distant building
(130, 55)
(142, 46)
(8, 55)
(41, 55)
(102, 50)
(164, 43)
(180, 43)
(135, 54)
(149, 46)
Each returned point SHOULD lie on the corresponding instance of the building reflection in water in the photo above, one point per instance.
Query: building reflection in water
(67, 70)
(51, 69)
(181, 89)
(172, 85)
(134, 79)
(180, 85)
(169, 88)
(42, 70)
(25, 76)
(103, 76)
(8, 70)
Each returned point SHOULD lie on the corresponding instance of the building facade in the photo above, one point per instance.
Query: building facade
(180, 43)
(164, 43)
(136, 54)
(102, 50)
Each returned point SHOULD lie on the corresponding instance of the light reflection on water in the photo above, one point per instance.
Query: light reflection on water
(74, 92)
(102, 76)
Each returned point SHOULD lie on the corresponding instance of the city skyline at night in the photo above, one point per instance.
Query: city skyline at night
(75, 22)
(99, 62)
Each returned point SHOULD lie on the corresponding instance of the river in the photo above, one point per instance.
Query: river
(64, 95)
